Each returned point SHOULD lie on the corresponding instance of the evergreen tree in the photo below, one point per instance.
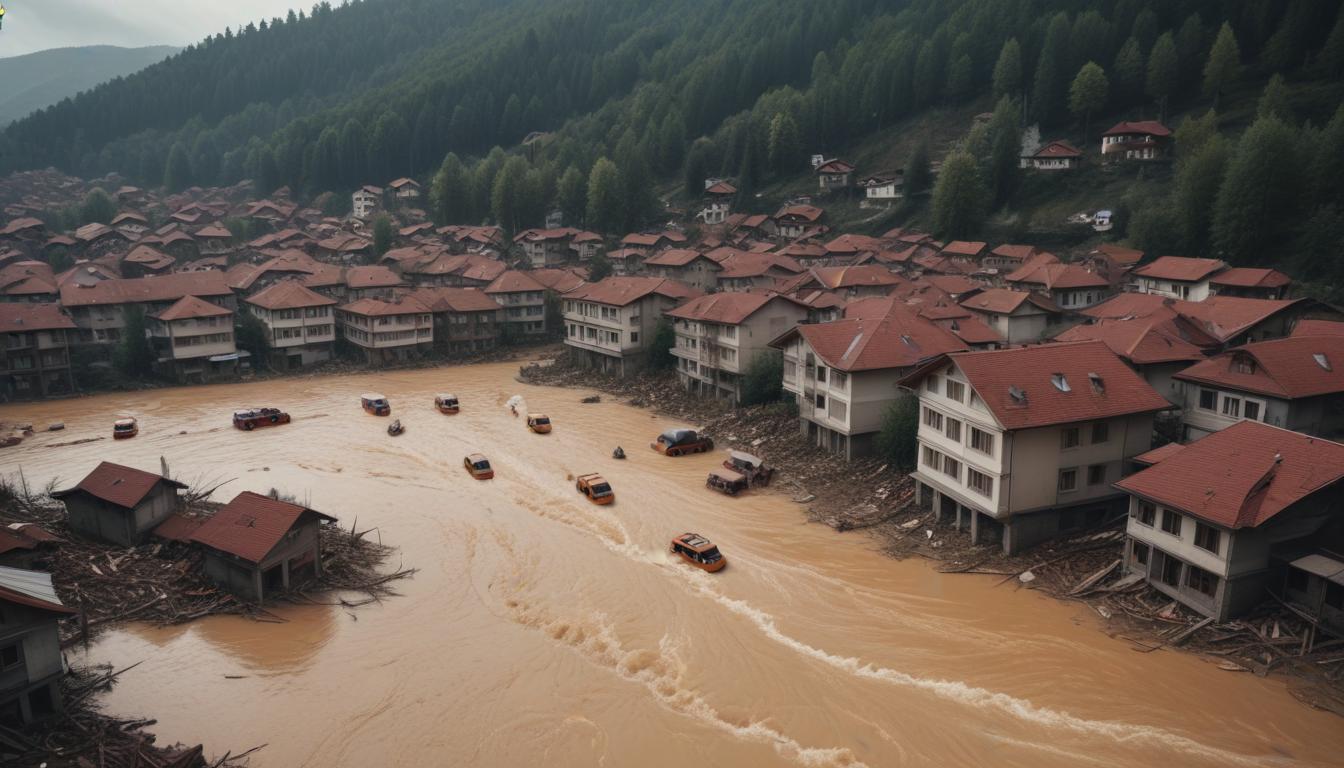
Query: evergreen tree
(918, 169)
(1198, 177)
(1327, 163)
(599, 267)
(133, 356)
(1047, 89)
(573, 196)
(896, 439)
(786, 145)
(1258, 200)
(1190, 52)
(1224, 64)
(1005, 148)
(636, 179)
(449, 192)
(960, 78)
(697, 169)
(606, 198)
(1163, 72)
(1193, 133)
(326, 166)
(511, 122)
(1274, 101)
(1088, 94)
(764, 380)
(959, 197)
(1332, 53)
(98, 207)
(671, 141)
(253, 336)
(507, 198)
(1129, 72)
(1008, 70)
(177, 171)
(382, 235)
(354, 169)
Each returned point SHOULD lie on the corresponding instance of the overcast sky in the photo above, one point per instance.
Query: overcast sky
(35, 25)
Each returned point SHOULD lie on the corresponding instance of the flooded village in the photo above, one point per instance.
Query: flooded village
(749, 384)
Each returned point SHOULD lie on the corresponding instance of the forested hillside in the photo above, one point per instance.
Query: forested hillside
(633, 93)
(38, 80)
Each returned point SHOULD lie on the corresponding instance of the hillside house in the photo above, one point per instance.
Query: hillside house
(882, 189)
(1145, 140)
(119, 504)
(1296, 383)
(1156, 350)
(833, 175)
(1219, 524)
(1178, 277)
(547, 247)
(610, 324)
(366, 201)
(793, 221)
(718, 203)
(387, 331)
(1020, 317)
(746, 271)
(98, 307)
(843, 374)
(1057, 155)
(856, 282)
(146, 261)
(193, 340)
(1226, 321)
(31, 663)
(34, 351)
(1068, 286)
(720, 335)
(466, 320)
(1020, 445)
(1251, 283)
(405, 189)
(696, 269)
(300, 323)
(256, 546)
(524, 303)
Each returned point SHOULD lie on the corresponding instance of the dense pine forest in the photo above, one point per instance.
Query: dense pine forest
(639, 98)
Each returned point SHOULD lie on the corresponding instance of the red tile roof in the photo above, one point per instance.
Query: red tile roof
(721, 188)
(1141, 127)
(149, 257)
(456, 300)
(1119, 254)
(953, 285)
(850, 244)
(1296, 367)
(146, 289)
(1180, 268)
(896, 339)
(835, 166)
(374, 276)
(1057, 276)
(620, 291)
(740, 265)
(251, 525)
(22, 317)
(1242, 476)
(178, 527)
(1058, 148)
(189, 307)
(1141, 342)
(1318, 328)
(851, 277)
(995, 375)
(807, 213)
(115, 484)
(515, 281)
(729, 307)
(560, 280)
(1152, 457)
(964, 248)
(1005, 301)
(1248, 277)
(675, 257)
(288, 294)
(405, 305)
(1014, 252)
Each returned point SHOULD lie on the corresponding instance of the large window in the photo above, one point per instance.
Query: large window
(1207, 537)
(953, 431)
(1232, 407)
(1068, 438)
(932, 458)
(1252, 410)
(1171, 522)
(933, 419)
(1140, 553)
(980, 482)
(1101, 432)
(1068, 479)
(1208, 399)
(1147, 513)
(955, 390)
(1201, 580)
(1171, 571)
(982, 441)
(951, 467)
(1096, 474)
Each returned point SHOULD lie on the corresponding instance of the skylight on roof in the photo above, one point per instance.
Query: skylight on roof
(1322, 361)
(1061, 383)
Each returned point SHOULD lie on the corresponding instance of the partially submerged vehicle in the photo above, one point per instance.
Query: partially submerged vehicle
(446, 403)
(678, 442)
(727, 481)
(395, 428)
(374, 403)
(699, 552)
(539, 423)
(619, 453)
(259, 417)
(595, 487)
(124, 429)
(750, 466)
(478, 466)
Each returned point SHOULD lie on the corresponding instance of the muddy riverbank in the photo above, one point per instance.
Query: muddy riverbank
(542, 628)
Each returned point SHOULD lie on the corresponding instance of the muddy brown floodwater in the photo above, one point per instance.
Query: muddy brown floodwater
(543, 630)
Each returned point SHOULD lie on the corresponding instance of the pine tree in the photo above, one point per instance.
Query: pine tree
(606, 198)
(449, 192)
(134, 356)
(177, 171)
(1008, 70)
(697, 168)
(636, 179)
(1327, 163)
(1331, 57)
(98, 207)
(1189, 51)
(1163, 72)
(1193, 133)
(1129, 72)
(1274, 101)
(671, 141)
(354, 168)
(785, 146)
(382, 235)
(507, 197)
(1047, 89)
(1258, 200)
(1224, 64)
(1198, 177)
(959, 197)
(918, 169)
(573, 196)
(1088, 93)
(1005, 148)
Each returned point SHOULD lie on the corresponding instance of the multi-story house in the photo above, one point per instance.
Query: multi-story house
(1156, 350)
(98, 307)
(366, 201)
(718, 204)
(833, 175)
(1220, 524)
(1057, 155)
(1068, 286)
(34, 351)
(1178, 277)
(1020, 317)
(1296, 383)
(696, 269)
(719, 337)
(301, 323)
(466, 320)
(405, 189)
(843, 374)
(792, 221)
(193, 340)
(1251, 283)
(610, 324)
(387, 331)
(524, 303)
(1141, 141)
(31, 664)
(1022, 444)
(547, 247)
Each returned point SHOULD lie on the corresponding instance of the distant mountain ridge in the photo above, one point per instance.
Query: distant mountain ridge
(36, 80)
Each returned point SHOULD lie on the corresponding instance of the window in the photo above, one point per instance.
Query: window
(1171, 571)
(9, 656)
(982, 441)
(1068, 438)
(931, 384)
(821, 374)
(1207, 537)
(953, 430)
(1208, 399)
(951, 467)
(1140, 553)
(1101, 432)
(1171, 522)
(839, 379)
(955, 390)
(1201, 580)
(1252, 411)
(821, 402)
(1146, 513)
(1232, 407)
(980, 482)
(634, 337)
(1068, 479)
(1096, 474)
(933, 419)
(932, 458)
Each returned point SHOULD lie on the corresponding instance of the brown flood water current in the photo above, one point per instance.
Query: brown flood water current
(543, 630)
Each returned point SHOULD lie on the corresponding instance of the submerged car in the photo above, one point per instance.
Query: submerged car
(727, 481)
(750, 466)
(478, 466)
(123, 429)
(699, 552)
(678, 442)
(539, 423)
(374, 403)
(259, 417)
(595, 487)
(446, 403)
